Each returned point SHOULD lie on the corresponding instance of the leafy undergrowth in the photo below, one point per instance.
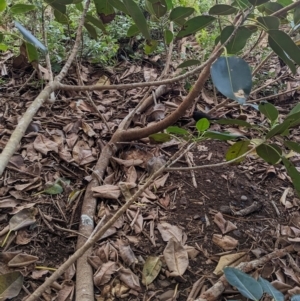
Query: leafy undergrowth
(181, 228)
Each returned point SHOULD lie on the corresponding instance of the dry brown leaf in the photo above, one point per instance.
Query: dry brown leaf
(224, 226)
(107, 191)
(287, 204)
(82, 153)
(192, 252)
(129, 278)
(131, 175)
(231, 260)
(126, 252)
(176, 257)
(103, 274)
(22, 260)
(160, 182)
(44, 145)
(87, 129)
(169, 231)
(225, 242)
(128, 163)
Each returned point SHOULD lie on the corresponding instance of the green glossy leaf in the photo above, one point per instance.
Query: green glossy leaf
(297, 15)
(150, 46)
(30, 37)
(269, 22)
(21, 8)
(60, 17)
(159, 7)
(119, 6)
(268, 110)
(178, 14)
(91, 30)
(269, 153)
(2, 5)
(296, 109)
(79, 6)
(270, 289)
(160, 137)
(177, 130)
(278, 49)
(96, 22)
(169, 4)
(245, 284)
(104, 7)
(202, 125)
(237, 149)
(189, 63)
(279, 129)
(195, 24)
(221, 136)
(232, 77)
(132, 31)
(59, 7)
(257, 2)
(234, 121)
(293, 173)
(54, 189)
(11, 284)
(285, 2)
(240, 39)
(222, 10)
(295, 118)
(293, 146)
(272, 7)
(168, 36)
(138, 18)
(32, 53)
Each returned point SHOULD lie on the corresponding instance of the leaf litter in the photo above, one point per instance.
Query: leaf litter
(166, 241)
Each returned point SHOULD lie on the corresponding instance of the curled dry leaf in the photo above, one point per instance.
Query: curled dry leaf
(129, 162)
(158, 113)
(192, 252)
(225, 226)
(231, 260)
(151, 269)
(225, 242)
(22, 260)
(283, 199)
(82, 153)
(169, 231)
(107, 191)
(176, 257)
(126, 252)
(44, 145)
(129, 278)
(103, 274)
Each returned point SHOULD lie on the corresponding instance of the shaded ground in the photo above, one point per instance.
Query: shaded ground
(64, 143)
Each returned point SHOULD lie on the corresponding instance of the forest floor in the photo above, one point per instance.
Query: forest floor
(205, 210)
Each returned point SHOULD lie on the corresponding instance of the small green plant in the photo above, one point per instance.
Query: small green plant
(251, 288)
